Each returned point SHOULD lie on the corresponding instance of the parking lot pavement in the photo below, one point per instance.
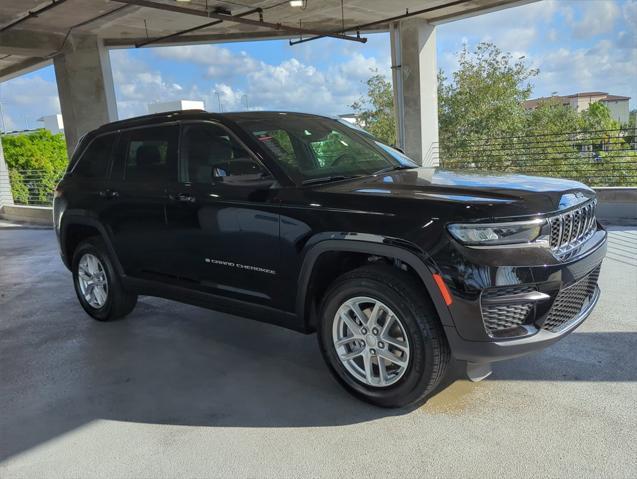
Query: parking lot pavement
(178, 391)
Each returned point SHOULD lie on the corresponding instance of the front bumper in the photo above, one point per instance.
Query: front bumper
(487, 352)
(471, 339)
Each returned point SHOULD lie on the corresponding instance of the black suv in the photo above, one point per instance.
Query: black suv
(305, 222)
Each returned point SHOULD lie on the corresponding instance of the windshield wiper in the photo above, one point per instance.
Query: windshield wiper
(393, 168)
(327, 179)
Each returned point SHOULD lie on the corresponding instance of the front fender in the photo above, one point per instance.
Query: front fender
(375, 245)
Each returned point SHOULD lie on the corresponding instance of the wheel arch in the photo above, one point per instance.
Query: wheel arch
(304, 308)
(75, 228)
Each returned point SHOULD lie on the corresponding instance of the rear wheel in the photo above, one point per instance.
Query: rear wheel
(97, 285)
(381, 336)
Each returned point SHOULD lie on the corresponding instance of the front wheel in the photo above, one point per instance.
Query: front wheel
(381, 337)
(97, 284)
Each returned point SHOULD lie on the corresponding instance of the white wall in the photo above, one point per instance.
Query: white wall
(175, 106)
(6, 198)
(618, 110)
(53, 123)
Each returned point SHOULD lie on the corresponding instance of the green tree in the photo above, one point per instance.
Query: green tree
(375, 111)
(483, 98)
(552, 117)
(36, 161)
(597, 117)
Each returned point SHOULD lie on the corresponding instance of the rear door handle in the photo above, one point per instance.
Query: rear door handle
(108, 194)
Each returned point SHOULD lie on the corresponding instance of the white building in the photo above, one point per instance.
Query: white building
(618, 105)
(53, 123)
(175, 105)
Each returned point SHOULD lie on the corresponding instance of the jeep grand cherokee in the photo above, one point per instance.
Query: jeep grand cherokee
(301, 221)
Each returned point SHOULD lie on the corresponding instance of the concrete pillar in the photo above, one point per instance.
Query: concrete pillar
(6, 198)
(85, 87)
(413, 48)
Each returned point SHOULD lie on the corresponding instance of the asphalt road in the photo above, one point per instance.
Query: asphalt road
(178, 391)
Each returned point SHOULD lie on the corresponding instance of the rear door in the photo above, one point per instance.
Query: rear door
(145, 171)
(225, 213)
(87, 184)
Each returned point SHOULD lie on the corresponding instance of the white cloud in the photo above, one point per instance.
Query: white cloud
(602, 67)
(292, 84)
(220, 61)
(629, 12)
(25, 99)
(552, 35)
(137, 85)
(598, 17)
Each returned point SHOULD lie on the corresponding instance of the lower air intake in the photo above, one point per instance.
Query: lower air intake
(570, 302)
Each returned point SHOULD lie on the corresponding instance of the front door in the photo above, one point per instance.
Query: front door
(225, 213)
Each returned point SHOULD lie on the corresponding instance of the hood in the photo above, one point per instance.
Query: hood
(515, 194)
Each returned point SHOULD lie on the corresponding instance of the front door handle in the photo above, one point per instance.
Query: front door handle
(183, 197)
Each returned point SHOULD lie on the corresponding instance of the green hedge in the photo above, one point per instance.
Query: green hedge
(35, 161)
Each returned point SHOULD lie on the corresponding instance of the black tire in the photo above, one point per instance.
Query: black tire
(118, 302)
(429, 350)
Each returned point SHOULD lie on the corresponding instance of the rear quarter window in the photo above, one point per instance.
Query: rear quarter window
(96, 160)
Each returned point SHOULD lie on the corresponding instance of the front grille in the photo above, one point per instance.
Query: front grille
(572, 228)
(570, 301)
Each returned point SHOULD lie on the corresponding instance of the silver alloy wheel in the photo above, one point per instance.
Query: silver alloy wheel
(371, 342)
(91, 276)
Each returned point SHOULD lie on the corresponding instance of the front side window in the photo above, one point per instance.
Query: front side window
(311, 148)
(151, 154)
(96, 160)
(211, 155)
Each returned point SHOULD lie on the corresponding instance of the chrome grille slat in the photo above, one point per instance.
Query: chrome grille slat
(570, 229)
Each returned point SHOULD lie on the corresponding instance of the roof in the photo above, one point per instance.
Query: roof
(587, 93)
(565, 99)
(616, 98)
(181, 115)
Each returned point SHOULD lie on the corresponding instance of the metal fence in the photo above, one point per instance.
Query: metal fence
(34, 187)
(597, 158)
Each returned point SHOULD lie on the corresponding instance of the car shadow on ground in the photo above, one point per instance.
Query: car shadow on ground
(181, 365)
(173, 364)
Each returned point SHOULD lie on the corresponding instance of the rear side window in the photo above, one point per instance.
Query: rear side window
(96, 160)
(151, 154)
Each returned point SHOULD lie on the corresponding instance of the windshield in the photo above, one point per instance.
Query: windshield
(314, 148)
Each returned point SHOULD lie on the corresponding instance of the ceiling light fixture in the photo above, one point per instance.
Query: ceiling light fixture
(297, 3)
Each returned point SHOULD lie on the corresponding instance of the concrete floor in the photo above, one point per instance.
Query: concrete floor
(178, 391)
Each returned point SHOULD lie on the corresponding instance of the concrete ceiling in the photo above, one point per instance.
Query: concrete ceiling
(35, 41)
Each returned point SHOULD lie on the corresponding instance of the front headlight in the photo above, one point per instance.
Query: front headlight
(494, 234)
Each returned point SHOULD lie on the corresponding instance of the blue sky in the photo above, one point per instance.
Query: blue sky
(578, 45)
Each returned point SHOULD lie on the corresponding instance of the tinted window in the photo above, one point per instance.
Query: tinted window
(96, 160)
(209, 154)
(314, 147)
(151, 153)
